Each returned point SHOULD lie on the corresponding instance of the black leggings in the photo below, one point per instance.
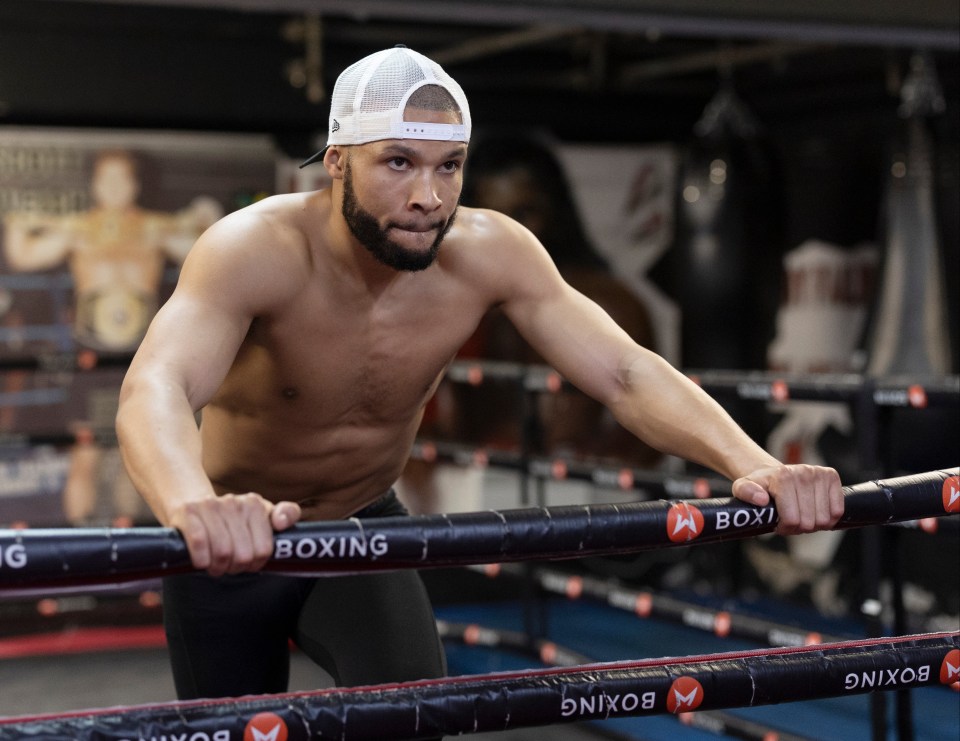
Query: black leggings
(229, 636)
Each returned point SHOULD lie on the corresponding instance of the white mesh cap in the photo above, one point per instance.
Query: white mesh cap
(370, 96)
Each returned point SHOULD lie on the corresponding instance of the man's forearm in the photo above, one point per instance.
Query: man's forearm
(668, 411)
(160, 444)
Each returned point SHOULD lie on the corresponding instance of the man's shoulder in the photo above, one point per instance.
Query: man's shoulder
(279, 209)
(483, 233)
(279, 219)
(482, 223)
(273, 235)
(495, 253)
(261, 252)
(490, 235)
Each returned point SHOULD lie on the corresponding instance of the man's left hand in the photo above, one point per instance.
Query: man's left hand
(808, 498)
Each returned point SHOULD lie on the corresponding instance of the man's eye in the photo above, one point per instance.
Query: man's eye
(450, 166)
(398, 162)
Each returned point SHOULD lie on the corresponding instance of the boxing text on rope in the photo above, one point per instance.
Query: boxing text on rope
(717, 722)
(539, 697)
(33, 561)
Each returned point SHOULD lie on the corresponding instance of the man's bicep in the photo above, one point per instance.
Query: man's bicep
(194, 338)
(191, 344)
(576, 337)
(571, 332)
(224, 283)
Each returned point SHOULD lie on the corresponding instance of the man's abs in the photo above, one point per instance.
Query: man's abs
(332, 472)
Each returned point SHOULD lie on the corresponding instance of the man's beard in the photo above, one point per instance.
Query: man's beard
(368, 232)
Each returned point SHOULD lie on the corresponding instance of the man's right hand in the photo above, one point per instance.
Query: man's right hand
(232, 533)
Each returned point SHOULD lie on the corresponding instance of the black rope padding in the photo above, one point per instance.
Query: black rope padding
(472, 634)
(644, 603)
(40, 559)
(891, 391)
(716, 721)
(505, 700)
(646, 482)
(896, 391)
(81, 360)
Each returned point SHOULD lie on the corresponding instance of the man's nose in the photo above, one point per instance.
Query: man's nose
(423, 194)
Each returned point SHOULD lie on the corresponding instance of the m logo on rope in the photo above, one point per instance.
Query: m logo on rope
(685, 694)
(950, 669)
(684, 522)
(265, 727)
(951, 494)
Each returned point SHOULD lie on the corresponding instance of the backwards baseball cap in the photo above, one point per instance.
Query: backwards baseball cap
(370, 96)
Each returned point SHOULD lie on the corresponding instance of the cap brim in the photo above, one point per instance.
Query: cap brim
(315, 158)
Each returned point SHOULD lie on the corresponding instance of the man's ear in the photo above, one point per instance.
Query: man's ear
(335, 159)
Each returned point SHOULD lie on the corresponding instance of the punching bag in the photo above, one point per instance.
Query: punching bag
(728, 243)
(910, 333)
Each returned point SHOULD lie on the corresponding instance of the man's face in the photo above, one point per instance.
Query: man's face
(376, 238)
(400, 197)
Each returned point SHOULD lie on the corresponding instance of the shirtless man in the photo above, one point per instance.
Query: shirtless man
(311, 329)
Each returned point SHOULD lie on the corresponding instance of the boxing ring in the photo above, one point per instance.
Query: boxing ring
(674, 511)
(47, 561)
(493, 702)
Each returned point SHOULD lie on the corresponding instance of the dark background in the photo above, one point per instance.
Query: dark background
(591, 71)
(822, 78)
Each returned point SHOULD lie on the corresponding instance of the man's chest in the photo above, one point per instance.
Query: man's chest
(364, 364)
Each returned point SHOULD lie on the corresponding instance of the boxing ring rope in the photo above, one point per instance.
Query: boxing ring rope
(559, 468)
(506, 700)
(34, 560)
(718, 722)
(721, 622)
(890, 391)
(145, 553)
(44, 559)
(547, 651)
(646, 483)
(894, 391)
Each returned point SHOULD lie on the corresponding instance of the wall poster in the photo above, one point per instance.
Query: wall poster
(94, 225)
